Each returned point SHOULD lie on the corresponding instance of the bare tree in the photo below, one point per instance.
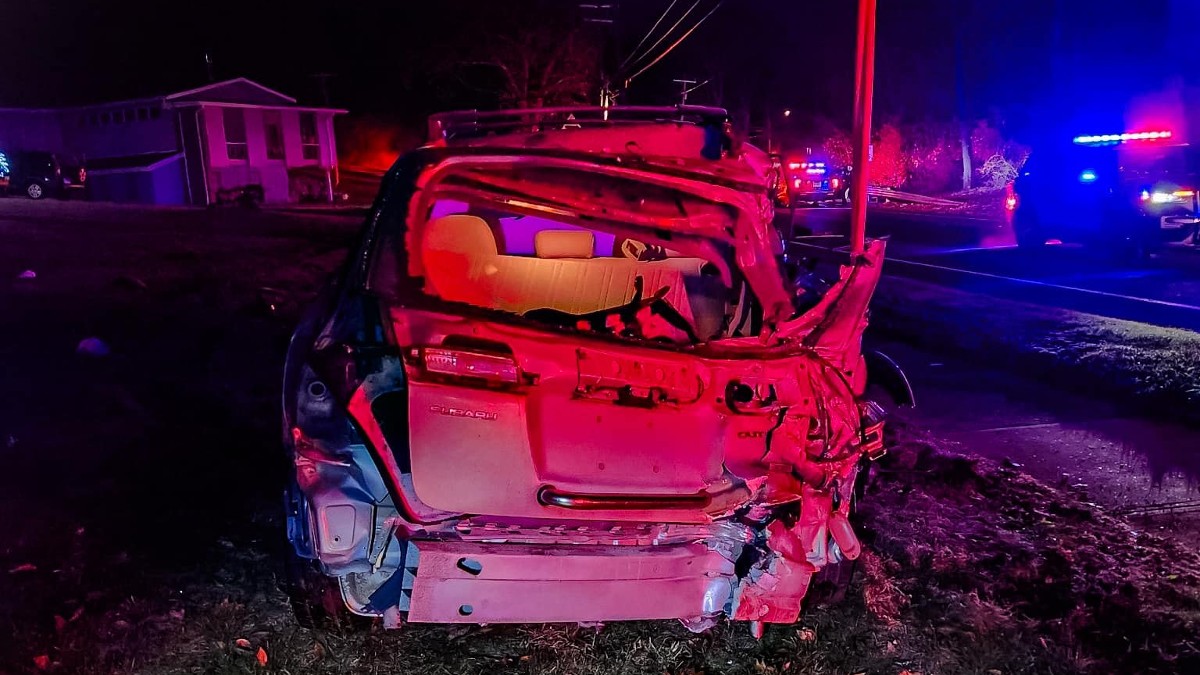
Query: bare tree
(536, 64)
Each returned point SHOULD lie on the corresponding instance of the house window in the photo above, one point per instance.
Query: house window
(235, 134)
(155, 113)
(143, 114)
(310, 144)
(105, 118)
(273, 130)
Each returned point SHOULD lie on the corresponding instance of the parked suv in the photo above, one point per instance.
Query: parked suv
(563, 377)
(39, 174)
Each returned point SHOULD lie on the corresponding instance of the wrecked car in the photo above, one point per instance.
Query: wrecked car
(564, 377)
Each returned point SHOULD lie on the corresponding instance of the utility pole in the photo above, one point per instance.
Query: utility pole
(864, 92)
(603, 15)
(208, 65)
(683, 89)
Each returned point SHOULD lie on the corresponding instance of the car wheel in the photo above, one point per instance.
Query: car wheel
(1029, 235)
(315, 598)
(35, 191)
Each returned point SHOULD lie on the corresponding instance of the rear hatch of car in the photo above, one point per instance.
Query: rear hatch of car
(523, 423)
(526, 399)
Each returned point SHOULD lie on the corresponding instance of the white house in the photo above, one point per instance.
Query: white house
(192, 147)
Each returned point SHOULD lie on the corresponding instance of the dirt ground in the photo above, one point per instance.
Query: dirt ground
(142, 525)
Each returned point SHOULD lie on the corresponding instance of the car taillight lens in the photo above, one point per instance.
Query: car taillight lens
(467, 365)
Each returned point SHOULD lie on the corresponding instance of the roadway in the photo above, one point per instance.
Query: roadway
(979, 255)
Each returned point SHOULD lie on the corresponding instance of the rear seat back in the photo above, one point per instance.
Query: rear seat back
(462, 264)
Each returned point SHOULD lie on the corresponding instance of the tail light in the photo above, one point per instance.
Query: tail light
(467, 366)
(1010, 198)
(871, 440)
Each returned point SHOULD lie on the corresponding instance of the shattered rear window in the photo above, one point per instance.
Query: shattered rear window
(581, 252)
(570, 276)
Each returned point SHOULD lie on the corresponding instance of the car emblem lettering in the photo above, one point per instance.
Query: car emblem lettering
(450, 411)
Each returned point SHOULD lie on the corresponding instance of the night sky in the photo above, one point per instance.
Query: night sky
(1019, 57)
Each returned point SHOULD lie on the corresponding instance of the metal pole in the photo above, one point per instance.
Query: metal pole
(863, 95)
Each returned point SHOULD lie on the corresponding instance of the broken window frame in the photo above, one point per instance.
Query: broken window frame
(387, 266)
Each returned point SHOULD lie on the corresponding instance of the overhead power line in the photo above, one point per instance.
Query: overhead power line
(648, 33)
(664, 36)
(675, 44)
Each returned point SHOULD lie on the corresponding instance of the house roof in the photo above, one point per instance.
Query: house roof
(239, 90)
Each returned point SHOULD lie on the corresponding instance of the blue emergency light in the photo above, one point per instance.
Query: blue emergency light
(1110, 139)
(1087, 176)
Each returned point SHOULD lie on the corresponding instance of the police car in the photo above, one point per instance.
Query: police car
(816, 181)
(1134, 190)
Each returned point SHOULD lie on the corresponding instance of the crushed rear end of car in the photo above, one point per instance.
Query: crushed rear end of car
(564, 378)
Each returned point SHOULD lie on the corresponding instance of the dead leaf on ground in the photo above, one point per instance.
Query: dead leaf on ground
(261, 656)
(59, 623)
(242, 643)
(806, 635)
(41, 661)
(27, 567)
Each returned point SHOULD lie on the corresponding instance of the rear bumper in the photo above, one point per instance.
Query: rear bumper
(816, 196)
(466, 582)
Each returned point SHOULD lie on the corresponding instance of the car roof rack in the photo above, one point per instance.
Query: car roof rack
(473, 123)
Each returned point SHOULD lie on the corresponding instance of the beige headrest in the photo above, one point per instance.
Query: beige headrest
(460, 233)
(564, 244)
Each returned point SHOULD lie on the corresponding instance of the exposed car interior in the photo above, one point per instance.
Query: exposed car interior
(525, 265)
